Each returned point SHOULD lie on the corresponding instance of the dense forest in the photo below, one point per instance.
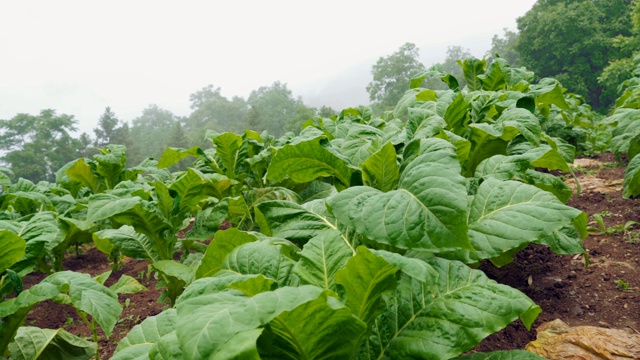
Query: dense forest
(587, 45)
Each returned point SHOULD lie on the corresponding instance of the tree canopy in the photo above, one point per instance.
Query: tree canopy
(392, 75)
(36, 146)
(572, 41)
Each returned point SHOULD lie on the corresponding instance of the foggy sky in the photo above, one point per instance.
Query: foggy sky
(78, 57)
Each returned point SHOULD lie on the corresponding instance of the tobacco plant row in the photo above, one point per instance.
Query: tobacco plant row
(355, 239)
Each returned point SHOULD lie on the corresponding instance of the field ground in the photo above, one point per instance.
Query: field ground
(606, 293)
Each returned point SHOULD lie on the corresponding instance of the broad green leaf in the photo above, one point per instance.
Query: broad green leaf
(502, 167)
(360, 143)
(506, 215)
(321, 258)
(320, 329)
(110, 164)
(5, 176)
(423, 123)
(472, 68)
(175, 269)
(365, 278)
(494, 79)
(260, 195)
(632, 179)
(128, 241)
(446, 316)
(190, 188)
(543, 156)
(483, 105)
(35, 294)
(141, 338)
(81, 172)
(502, 355)
(463, 146)
(307, 161)
(316, 190)
(426, 95)
(222, 282)
(549, 92)
(42, 227)
(253, 285)
(413, 267)
(85, 294)
(212, 325)
(173, 155)
(229, 150)
(523, 120)
(224, 242)
(167, 348)
(406, 102)
(47, 344)
(259, 257)
(418, 79)
(457, 115)
(428, 210)
(127, 285)
(285, 219)
(139, 214)
(12, 249)
(381, 170)
(89, 296)
(550, 183)
(568, 239)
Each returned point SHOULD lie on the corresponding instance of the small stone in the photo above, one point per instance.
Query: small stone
(576, 310)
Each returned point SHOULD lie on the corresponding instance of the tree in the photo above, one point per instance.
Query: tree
(505, 47)
(212, 111)
(451, 66)
(620, 70)
(108, 131)
(392, 75)
(326, 111)
(572, 41)
(37, 146)
(273, 108)
(152, 132)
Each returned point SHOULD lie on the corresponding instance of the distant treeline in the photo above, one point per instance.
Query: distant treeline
(589, 45)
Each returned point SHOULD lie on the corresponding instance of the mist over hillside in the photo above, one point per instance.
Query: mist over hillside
(348, 88)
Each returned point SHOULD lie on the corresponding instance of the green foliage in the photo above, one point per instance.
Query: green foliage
(391, 76)
(350, 240)
(274, 109)
(551, 43)
(35, 343)
(35, 145)
(505, 47)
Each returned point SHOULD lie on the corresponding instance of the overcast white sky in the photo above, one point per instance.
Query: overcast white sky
(79, 56)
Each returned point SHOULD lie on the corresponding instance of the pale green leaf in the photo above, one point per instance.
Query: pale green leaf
(381, 170)
(46, 344)
(427, 211)
(12, 249)
(224, 242)
(321, 258)
(365, 278)
(127, 285)
(446, 316)
(320, 329)
(307, 161)
(141, 338)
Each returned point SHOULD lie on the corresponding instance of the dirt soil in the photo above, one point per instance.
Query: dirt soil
(561, 285)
